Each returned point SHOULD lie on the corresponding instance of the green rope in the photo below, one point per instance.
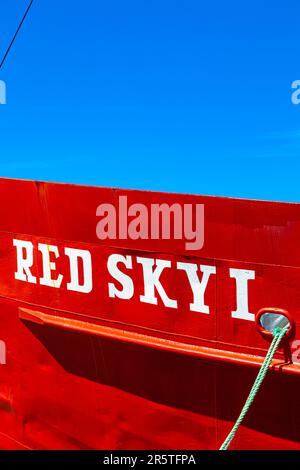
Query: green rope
(278, 334)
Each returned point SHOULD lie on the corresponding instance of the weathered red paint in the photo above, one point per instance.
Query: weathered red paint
(85, 371)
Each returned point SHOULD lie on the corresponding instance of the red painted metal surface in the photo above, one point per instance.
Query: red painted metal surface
(88, 371)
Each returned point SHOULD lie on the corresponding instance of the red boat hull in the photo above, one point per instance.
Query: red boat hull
(86, 370)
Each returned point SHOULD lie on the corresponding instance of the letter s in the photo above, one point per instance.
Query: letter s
(127, 290)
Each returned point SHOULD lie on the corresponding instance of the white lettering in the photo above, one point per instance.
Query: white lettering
(74, 256)
(198, 287)
(152, 282)
(123, 279)
(49, 266)
(242, 276)
(24, 261)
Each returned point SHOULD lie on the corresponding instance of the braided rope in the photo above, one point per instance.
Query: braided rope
(278, 334)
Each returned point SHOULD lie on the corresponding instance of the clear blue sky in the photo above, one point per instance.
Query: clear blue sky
(183, 96)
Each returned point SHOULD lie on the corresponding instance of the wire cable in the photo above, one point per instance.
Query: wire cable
(16, 34)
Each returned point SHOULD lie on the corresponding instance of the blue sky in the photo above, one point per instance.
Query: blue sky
(182, 96)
